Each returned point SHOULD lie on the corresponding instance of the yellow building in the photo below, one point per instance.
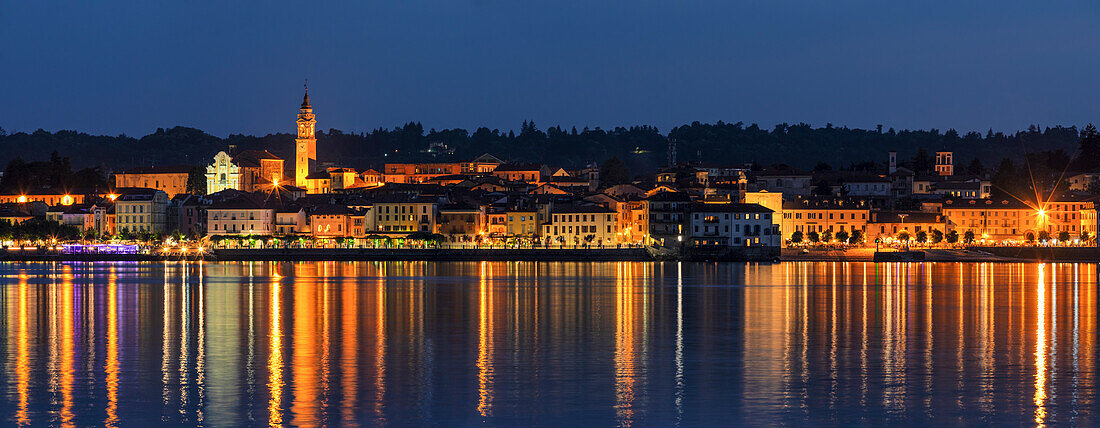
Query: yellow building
(575, 225)
(305, 149)
(889, 225)
(140, 210)
(633, 221)
(521, 223)
(1012, 220)
(804, 215)
(404, 215)
(224, 174)
(169, 179)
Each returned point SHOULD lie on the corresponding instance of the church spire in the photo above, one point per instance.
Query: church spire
(305, 99)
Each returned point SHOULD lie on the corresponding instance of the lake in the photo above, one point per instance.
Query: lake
(525, 343)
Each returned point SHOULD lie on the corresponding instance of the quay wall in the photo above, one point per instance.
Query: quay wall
(441, 254)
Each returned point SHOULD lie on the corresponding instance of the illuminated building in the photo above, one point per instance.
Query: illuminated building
(460, 220)
(732, 225)
(332, 221)
(945, 164)
(421, 172)
(573, 225)
(521, 223)
(243, 215)
(804, 215)
(141, 210)
(305, 148)
(224, 174)
(529, 173)
(885, 225)
(170, 179)
(403, 214)
(259, 170)
(1015, 220)
(49, 197)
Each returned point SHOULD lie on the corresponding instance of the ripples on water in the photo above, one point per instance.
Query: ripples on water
(327, 343)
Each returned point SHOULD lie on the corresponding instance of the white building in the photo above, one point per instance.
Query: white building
(223, 174)
(875, 187)
(240, 216)
(733, 225)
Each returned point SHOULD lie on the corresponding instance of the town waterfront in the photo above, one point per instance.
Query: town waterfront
(547, 343)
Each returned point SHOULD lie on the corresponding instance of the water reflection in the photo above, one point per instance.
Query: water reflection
(366, 343)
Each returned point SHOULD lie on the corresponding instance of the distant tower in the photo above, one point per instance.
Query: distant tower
(306, 149)
(893, 161)
(945, 165)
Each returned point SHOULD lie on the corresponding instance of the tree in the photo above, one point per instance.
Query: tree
(822, 188)
(968, 237)
(856, 238)
(903, 236)
(796, 237)
(827, 236)
(937, 236)
(1088, 147)
(952, 237)
(842, 236)
(975, 167)
(1044, 236)
(614, 171)
(814, 237)
(196, 180)
(1063, 236)
(1029, 237)
(822, 166)
(1084, 237)
(922, 236)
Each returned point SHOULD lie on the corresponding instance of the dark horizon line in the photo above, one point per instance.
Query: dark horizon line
(291, 131)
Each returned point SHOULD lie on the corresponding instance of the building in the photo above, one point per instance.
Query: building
(525, 172)
(243, 215)
(223, 174)
(305, 148)
(46, 196)
(945, 164)
(318, 182)
(1012, 220)
(343, 178)
(187, 215)
(140, 210)
(332, 221)
(460, 222)
(260, 170)
(632, 221)
(885, 226)
(732, 225)
(867, 187)
(667, 216)
(808, 215)
(404, 214)
(169, 179)
(575, 225)
(521, 223)
(789, 182)
(1081, 182)
(291, 219)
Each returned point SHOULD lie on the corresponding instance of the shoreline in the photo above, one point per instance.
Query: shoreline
(975, 255)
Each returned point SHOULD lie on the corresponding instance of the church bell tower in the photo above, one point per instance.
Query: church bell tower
(306, 143)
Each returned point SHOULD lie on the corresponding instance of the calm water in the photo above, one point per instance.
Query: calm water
(227, 344)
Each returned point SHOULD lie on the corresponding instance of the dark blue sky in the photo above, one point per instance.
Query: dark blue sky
(237, 67)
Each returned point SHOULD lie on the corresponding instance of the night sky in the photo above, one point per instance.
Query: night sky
(238, 67)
